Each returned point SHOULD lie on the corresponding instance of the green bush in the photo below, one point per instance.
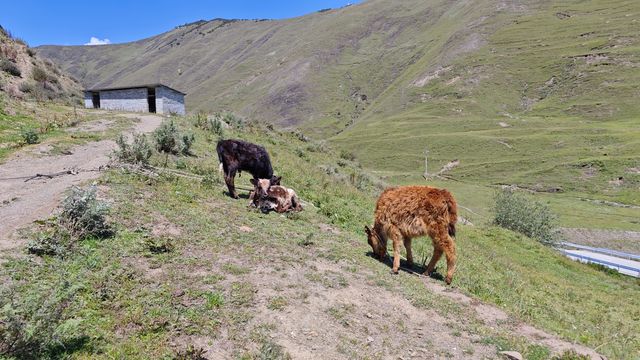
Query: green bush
(166, 137)
(186, 143)
(515, 211)
(139, 152)
(39, 323)
(83, 216)
(10, 68)
(39, 74)
(29, 136)
(169, 140)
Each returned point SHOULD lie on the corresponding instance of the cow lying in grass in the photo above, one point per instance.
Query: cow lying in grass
(403, 213)
(268, 197)
(236, 156)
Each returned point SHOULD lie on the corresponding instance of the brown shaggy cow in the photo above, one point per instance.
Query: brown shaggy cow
(269, 197)
(406, 212)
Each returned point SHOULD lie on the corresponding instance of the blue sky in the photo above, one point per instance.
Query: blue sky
(76, 22)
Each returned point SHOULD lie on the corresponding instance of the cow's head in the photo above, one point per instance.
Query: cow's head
(261, 186)
(378, 245)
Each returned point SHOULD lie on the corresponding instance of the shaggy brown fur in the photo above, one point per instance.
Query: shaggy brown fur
(403, 213)
(269, 197)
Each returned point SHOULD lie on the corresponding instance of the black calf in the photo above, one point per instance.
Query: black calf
(237, 155)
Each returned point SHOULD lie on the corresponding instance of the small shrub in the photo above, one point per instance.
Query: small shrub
(201, 120)
(83, 216)
(10, 68)
(215, 125)
(186, 143)
(347, 155)
(29, 136)
(31, 52)
(26, 87)
(516, 212)
(39, 323)
(139, 152)
(166, 137)
(39, 74)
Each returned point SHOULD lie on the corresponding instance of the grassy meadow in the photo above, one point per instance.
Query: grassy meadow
(191, 267)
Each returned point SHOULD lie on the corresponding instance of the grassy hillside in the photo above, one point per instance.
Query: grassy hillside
(551, 111)
(37, 100)
(191, 267)
(324, 68)
(537, 94)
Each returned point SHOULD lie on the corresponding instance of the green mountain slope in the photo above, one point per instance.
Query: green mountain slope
(535, 93)
(325, 67)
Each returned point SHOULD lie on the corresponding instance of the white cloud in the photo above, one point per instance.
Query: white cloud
(95, 41)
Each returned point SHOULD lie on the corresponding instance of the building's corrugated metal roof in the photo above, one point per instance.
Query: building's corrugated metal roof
(134, 87)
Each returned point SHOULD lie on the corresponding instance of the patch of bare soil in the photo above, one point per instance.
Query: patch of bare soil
(317, 309)
(93, 126)
(31, 199)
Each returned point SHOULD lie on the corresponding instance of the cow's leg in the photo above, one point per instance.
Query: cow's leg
(396, 237)
(229, 180)
(450, 253)
(437, 253)
(407, 246)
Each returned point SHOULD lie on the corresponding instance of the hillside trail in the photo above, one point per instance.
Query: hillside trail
(24, 200)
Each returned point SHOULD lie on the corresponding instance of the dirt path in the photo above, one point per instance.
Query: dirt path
(23, 202)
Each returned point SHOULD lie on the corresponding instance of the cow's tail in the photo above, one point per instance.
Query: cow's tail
(452, 208)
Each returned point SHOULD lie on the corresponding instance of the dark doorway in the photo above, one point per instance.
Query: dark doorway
(151, 99)
(95, 99)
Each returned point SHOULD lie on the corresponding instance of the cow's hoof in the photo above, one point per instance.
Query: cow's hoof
(394, 272)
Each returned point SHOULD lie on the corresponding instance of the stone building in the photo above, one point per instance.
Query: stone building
(154, 98)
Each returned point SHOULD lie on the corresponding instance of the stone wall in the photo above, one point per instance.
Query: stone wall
(125, 100)
(169, 101)
(88, 100)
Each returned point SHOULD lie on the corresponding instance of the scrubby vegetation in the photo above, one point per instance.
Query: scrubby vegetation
(170, 140)
(29, 136)
(137, 152)
(10, 67)
(515, 211)
(83, 217)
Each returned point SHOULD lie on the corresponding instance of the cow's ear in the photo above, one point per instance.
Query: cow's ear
(254, 182)
(275, 180)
